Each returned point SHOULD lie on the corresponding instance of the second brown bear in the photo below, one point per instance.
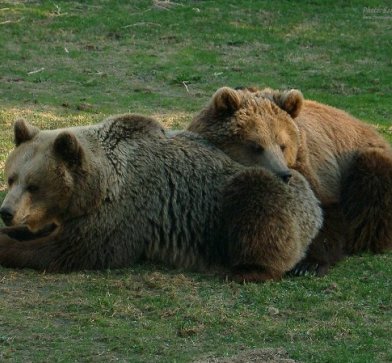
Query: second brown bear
(348, 164)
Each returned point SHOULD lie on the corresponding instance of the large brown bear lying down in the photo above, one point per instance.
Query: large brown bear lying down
(347, 163)
(112, 194)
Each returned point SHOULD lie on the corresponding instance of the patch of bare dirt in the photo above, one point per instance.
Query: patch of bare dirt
(267, 355)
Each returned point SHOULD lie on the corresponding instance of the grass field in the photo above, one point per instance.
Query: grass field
(64, 63)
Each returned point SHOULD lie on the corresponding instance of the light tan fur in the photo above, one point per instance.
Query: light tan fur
(347, 163)
(330, 140)
(251, 130)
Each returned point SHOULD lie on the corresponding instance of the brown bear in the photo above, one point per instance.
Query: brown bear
(111, 194)
(347, 163)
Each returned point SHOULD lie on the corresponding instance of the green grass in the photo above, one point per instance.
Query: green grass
(150, 314)
(166, 59)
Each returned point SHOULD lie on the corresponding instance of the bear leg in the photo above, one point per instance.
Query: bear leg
(366, 198)
(22, 249)
(20, 253)
(21, 233)
(328, 246)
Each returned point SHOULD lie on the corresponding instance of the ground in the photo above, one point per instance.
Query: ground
(64, 63)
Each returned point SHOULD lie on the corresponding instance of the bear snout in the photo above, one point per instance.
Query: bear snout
(6, 215)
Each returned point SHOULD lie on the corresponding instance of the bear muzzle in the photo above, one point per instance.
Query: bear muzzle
(273, 159)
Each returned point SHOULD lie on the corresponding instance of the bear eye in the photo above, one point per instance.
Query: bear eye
(11, 180)
(256, 147)
(283, 147)
(32, 188)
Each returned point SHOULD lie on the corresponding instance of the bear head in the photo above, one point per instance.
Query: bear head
(43, 173)
(56, 176)
(253, 127)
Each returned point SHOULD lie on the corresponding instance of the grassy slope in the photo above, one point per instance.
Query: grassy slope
(104, 57)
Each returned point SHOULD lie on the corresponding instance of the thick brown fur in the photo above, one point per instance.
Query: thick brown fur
(251, 130)
(247, 243)
(347, 163)
(366, 199)
(112, 194)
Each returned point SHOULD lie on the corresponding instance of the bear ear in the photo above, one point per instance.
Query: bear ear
(290, 101)
(226, 100)
(23, 131)
(67, 147)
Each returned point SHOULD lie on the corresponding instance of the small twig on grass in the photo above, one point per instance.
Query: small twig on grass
(186, 86)
(165, 4)
(58, 9)
(11, 21)
(141, 24)
(36, 71)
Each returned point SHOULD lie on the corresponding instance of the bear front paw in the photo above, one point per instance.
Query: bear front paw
(309, 268)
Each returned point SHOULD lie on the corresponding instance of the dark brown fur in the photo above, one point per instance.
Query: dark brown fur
(246, 243)
(109, 195)
(366, 200)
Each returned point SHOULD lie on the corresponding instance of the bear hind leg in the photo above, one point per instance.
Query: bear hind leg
(327, 248)
(366, 199)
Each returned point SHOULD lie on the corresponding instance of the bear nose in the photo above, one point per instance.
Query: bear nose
(285, 176)
(6, 215)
